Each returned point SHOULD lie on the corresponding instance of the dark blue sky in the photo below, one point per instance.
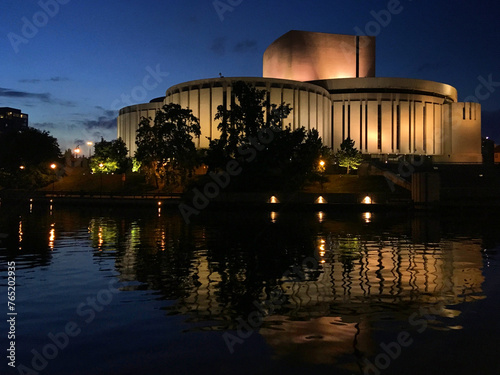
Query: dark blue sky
(74, 67)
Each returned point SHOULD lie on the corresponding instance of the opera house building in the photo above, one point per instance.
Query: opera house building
(329, 81)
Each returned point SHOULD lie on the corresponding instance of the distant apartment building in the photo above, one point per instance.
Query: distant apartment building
(12, 118)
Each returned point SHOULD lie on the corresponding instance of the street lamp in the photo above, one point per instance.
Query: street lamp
(100, 168)
(321, 167)
(53, 166)
(90, 147)
(77, 150)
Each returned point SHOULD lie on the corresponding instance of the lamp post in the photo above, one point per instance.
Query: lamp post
(100, 170)
(90, 147)
(53, 166)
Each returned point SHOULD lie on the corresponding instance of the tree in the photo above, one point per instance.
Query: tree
(270, 156)
(109, 156)
(165, 148)
(25, 158)
(348, 156)
(242, 122)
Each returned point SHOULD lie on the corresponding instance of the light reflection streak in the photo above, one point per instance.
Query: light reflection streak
(52, 236)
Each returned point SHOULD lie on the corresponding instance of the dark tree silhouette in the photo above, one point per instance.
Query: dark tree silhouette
(25, 158)
(166, 149)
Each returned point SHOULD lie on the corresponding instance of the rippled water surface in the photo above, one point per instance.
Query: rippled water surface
(139, 291)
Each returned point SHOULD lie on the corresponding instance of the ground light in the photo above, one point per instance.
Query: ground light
(367, 200)
(320, 200)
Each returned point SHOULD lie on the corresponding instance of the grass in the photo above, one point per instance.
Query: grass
(81, 180)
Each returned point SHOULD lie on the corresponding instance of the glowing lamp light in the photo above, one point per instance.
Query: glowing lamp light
(53, 166)
(22, 167)
(320, 200)
(274, 217)
(321, 216)
(367, 216)
(367, 200)
(273, 199)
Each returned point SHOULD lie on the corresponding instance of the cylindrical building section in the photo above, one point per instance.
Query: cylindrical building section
(129, 119)
(311, 105)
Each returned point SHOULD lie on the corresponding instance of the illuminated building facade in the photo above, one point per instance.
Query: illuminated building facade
(329, 81)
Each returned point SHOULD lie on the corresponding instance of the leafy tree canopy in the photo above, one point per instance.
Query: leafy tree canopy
(165, 147)
(109, 157)
(270, 156)
(26, 156)
(348, 156)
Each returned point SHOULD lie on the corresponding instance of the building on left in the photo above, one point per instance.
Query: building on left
(12, 119)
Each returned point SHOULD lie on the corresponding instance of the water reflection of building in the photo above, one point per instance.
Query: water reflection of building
(331, 303)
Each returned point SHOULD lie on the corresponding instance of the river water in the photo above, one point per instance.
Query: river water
(138, 291)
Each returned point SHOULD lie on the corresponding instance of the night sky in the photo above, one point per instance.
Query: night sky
(89, 58)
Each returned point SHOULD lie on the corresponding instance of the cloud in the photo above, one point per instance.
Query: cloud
(219, 46)
(103, 122)
(58, 79)
(245, 46)
(79, 141)
(8, 93)
(431, 66)
(30, 80)
(107, 112)
(43, 97)
(52, 79)
(43, 125)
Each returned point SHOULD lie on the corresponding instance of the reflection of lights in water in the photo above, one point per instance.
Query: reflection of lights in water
(162, 241)
(321, 216)
(367, 216)
(20, 233)
(274, 216)
(321, 249)
(367, 200)
(273, 199)
(100, 240)
(320, 200)
(52, 236)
